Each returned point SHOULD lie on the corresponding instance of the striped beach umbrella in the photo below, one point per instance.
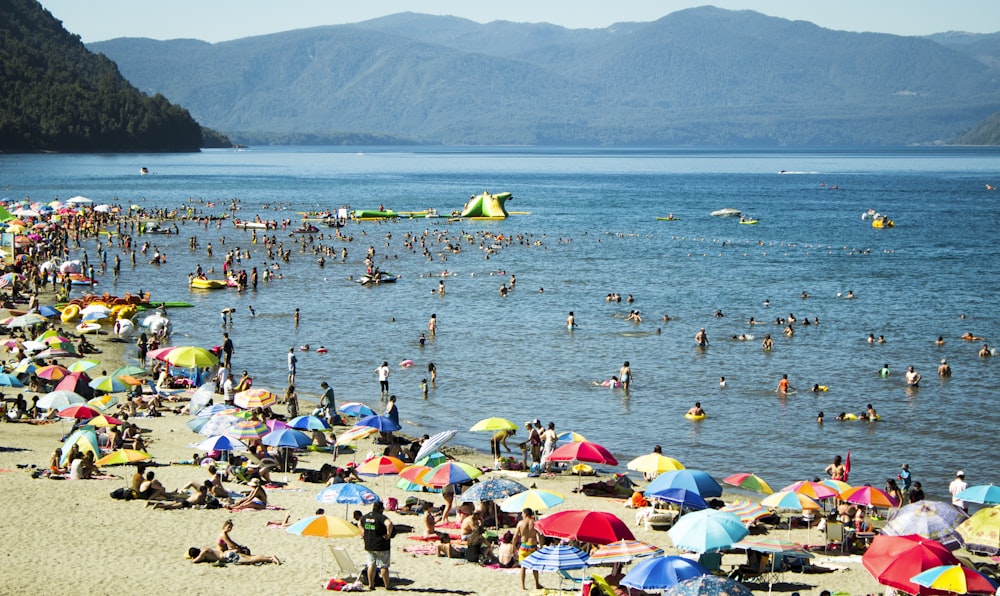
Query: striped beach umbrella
(556, 558)
(380, 466)
(623, 551)
(247, 430)
(747, 511)
(535, 499)
(749, 482)
(451, 473)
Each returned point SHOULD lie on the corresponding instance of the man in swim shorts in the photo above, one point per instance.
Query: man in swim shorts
(527, 537)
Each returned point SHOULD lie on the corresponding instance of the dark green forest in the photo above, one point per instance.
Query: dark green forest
(55, 95)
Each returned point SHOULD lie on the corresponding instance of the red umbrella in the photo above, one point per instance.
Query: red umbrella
(583, 451)
(893, 560)
(594, 527)
(79, 411)
(868, 495)
(78, 382)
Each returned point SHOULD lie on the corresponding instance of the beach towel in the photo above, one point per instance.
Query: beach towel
(421, 549)
(425, 538)
(268, 508)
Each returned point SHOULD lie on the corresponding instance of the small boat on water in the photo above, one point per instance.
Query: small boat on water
(377, 278)
(727, 212)
(207, 284)
(307, 229)
(748, 221)
(670, 218)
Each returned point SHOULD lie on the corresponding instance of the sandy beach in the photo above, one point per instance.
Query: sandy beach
(71, 537)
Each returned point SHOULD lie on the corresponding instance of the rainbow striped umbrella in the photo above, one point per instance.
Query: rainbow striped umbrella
(247, 429)
(789, 501)
(380, 466)
(535, 499)
(451, 473)
(868, 495)
(623, 551)
(749, 482)
(747, 511)
(816, 490)
(955, 579)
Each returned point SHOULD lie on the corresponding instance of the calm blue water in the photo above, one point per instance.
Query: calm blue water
(592, 214)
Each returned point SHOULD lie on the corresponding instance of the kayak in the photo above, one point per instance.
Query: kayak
(668, 219)
(750, 222)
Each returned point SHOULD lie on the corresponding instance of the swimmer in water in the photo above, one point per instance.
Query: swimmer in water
(969, 337)
(613, 382)
(571, 321)
(783, 385)
(696, 410)
(885, 370)
(819, 418)
(701, 338)
(722, 382)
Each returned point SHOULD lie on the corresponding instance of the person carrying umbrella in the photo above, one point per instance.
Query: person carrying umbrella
(527, 537)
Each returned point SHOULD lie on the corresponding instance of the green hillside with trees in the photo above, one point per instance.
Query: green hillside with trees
(55, 95)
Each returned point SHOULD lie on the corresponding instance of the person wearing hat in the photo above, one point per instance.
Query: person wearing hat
(958, 485)
(944, 370)
(255, 499)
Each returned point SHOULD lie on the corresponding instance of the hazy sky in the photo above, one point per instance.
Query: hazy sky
(219, 20)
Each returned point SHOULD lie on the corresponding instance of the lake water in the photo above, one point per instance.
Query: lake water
(590, 229)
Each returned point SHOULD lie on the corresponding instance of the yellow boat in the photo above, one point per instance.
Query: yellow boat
(207, 284)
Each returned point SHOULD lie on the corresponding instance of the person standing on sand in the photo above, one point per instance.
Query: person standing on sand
(527, 537)
(377, 530)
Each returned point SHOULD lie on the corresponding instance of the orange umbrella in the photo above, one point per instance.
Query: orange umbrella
(381, 465)
(868, 495)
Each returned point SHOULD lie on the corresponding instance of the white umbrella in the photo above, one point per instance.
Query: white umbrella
(434, 443)
(78, 200)
(60, 399)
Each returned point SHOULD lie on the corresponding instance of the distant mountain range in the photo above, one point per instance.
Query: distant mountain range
(702, 76)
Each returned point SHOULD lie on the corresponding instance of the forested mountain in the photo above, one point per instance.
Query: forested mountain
(55, 95)
(701, 76)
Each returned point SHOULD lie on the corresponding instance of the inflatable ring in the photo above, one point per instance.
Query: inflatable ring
(850, 416)
(407, 363)
(322, 351)
(87, 327)
(690, 416)
(70, 313)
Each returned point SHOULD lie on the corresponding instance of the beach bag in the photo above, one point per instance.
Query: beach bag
(123, 494)
(391, 504)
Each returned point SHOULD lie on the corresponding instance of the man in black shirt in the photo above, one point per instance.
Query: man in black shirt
(377, 534)
(227, 350)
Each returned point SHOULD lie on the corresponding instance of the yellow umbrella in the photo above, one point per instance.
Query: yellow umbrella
(493, 424)
(354, 434)
(103, 420)
(982, 531)
(123, 456)
(654, 463)
(191, 357)
(324, 526)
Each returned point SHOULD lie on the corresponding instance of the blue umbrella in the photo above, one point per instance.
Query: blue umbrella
(986, 494)
(380, 423)
(308, 422)
(286, 437)
(693, 480)
(682, 497)
(221, 443)
(555, 558)
(708, 530)
(709, 585)
(356, 408)
(347, 493)
(8, 380)
(49, 312)
(197, 423)
(492, 489)
(661, 573)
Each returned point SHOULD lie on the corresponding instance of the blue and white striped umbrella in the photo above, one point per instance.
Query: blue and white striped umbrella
(556, 558)
(349, 493)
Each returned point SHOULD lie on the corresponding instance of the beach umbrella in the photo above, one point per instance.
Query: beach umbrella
(25, 366)
(747, 511)
(556, 558)
(451, 472)
(347, 493)
(324, 526)
(583, 451)
(984, 494)
(749, 482)
(573, 437)
(682, 497)
(52, 372)
(708, 585)
(816, 490)
(955, 579)
(79, 411)
(354, 434)
(981, 532)
(94, 316)
(535, 499)
(57, 400)
(654, 463)
(930, 519)
(247, 430)
(623, 551)
(218, 424)
(287, 437)
(356, 408)
(661, 573)
(221, 443)
(492, 489)
(493, 424)
(210, 411)
(707, 530)
(130, 380)
(123, 457)
(594, 527)
(78, 200)
(379, 423)
(308, 422)
(78, 383)
(108, 384)
(197, 423)
(252, 399)
(103, 421)
(415, 474)
(191, 357)
(9, 380)
(85, 438)
(789, 501)
(693, 480)
(128, 370)
(434, 459)
(61, 350)
(381, 465)
(83, 365)
(49, 312)
(869, 496)
(893, 560)
(434, 443)
(201, 397)
(159, 353)
(29, 320)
